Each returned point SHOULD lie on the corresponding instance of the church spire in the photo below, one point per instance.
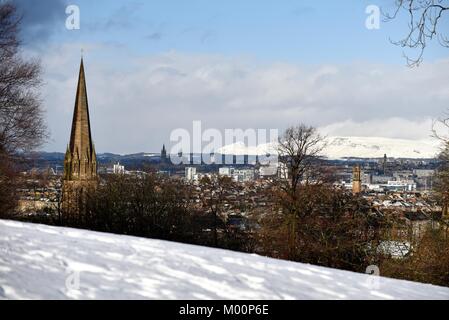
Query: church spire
(80, 157)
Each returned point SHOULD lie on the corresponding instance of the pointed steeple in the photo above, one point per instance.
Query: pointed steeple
(80, 156)
(163, 153)
(81, 136)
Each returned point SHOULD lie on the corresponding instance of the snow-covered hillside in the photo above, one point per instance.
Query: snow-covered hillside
(371, 147)
(41, 262)
(357, 147)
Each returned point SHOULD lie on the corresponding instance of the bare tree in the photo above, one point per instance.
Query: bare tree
(425, 17)
(298, 149)
(441, 183)
(219, 188)
(22, 125)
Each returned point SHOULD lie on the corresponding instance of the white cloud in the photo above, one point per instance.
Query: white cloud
(135, 102)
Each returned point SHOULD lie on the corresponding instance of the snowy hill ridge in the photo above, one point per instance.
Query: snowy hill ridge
(42, 262)
(353, 147)
(374, 147)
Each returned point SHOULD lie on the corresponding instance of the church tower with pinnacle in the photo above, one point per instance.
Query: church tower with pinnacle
(80, 163)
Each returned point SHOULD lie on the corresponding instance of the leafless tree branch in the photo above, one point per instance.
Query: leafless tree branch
(424, 23)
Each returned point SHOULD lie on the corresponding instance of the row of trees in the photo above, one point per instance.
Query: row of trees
(154, 206)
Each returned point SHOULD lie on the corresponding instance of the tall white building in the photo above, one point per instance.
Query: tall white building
(268, 170)
(118, 169)
(238, 175)
(283, 171)
(225, 171)
(243, 175)
(190, 173)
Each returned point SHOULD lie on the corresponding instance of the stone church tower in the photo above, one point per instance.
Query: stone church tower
(80, 163)
(356, 179)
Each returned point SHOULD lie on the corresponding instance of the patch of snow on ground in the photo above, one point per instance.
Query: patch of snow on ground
(42, 262)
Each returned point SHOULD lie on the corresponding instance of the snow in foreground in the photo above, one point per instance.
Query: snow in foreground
(41, 262)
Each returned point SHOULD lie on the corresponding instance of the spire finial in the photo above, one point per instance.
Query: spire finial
(82, 53)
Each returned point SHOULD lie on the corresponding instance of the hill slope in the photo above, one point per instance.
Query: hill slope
(36, 262)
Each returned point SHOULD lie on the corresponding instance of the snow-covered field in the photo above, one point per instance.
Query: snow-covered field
(41, 262)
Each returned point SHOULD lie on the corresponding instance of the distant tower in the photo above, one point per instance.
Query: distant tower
(384, 164)
(212, 157)
(80, 163)
(163, 154)
(356, 180)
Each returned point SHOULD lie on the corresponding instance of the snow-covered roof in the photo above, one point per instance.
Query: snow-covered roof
(42, 262)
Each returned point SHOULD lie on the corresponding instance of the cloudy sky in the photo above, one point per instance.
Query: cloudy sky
(154, 66)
